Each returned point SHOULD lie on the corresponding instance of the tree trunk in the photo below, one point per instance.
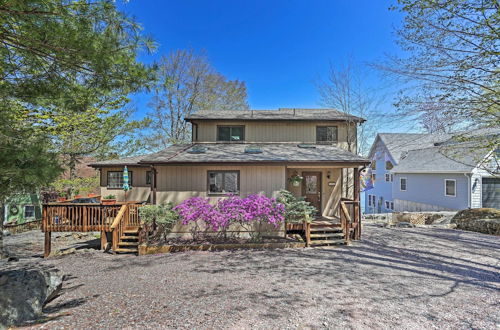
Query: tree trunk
(3, 253)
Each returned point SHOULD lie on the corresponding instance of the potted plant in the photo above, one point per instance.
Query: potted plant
(295, 180)
(61, 199)
(108, 200)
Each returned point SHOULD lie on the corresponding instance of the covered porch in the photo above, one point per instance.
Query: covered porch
(335, 192)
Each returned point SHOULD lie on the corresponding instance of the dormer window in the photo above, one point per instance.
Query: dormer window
(230, 133)
(326, 134)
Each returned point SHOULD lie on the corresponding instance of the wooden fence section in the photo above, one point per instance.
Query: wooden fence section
(350, 218)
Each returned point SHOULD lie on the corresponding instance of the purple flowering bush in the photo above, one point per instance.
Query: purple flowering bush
(232, 209)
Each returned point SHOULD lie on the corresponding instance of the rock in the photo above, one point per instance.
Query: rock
(58, 253)
(404, 224)
(24, 291)
(484, 220)
(6, 232)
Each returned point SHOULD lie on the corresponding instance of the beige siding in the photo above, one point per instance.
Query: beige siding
(177, 183)
(140, 190)
(277, 131)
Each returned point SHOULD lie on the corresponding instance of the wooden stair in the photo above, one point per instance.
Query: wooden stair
(326, 235)
(129, 241)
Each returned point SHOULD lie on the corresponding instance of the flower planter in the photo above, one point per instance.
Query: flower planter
(108, 201)
(61, 199)
(92, 195)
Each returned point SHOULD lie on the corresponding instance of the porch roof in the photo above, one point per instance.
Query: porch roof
(242, 153)
(254, 153)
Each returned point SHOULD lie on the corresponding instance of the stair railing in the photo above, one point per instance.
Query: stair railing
(119, 225)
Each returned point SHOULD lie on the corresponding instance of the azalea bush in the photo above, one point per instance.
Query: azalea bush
(233, 209)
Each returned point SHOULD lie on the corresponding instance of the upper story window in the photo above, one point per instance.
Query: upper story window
(389, 177)
(388, 165)
(374, 165)
(402, 184)
(326, 134)
(115, 179)
(231, 133)
(450, 188)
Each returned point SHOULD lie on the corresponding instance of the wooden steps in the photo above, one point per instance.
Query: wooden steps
(326, 235)
(129, 241)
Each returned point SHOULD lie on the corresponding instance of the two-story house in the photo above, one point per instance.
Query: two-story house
(305, 151)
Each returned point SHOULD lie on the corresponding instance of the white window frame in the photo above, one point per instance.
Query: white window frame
(392, 206)
(388, 177)
(454, 186)
(34, 211)
(387, 205)
(406, 184)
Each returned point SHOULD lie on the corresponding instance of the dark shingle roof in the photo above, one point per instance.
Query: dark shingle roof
(118, 162)
(235, 153)
(280, 114)
(271, 152)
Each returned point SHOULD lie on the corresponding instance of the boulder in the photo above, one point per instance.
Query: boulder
(484, 220)
(24, 290)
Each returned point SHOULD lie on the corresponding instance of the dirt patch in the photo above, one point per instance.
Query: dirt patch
(415, 278)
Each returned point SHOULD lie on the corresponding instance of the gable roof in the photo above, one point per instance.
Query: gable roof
(399, 143)
(459, 158)
(235, 153)
(280, 114)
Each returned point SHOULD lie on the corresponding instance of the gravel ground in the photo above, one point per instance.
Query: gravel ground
(418, 278)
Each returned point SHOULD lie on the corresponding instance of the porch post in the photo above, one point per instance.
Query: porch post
(357, 206)
(153, 185)
(47, 246)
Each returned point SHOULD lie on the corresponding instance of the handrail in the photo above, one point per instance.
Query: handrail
(119, 217)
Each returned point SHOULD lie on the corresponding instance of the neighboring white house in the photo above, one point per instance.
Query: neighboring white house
(429, 172)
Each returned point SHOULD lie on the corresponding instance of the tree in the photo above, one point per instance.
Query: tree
(343, 90)
(451, 68)
(187, 83)
(57, 55)
(25, 162)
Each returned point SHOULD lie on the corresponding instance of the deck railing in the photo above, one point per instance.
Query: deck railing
(84, 217)
(350, 219)
(78, 217)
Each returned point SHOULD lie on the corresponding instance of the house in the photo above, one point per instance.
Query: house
(21, 208)
(248, 152)
(432, 172)
(310, 152)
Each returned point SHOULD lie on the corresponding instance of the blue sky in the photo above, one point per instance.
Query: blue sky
(279, 47)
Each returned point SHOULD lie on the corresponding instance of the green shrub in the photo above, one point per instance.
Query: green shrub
(159, 219)
(296, 209)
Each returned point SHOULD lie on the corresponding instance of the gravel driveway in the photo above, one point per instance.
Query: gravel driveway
(418, 278)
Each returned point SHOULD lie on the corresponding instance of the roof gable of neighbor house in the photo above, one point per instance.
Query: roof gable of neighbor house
(282, 114)
(243, 153)
(397, 144)
(461, 158)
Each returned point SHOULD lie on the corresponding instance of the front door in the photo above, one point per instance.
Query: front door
(311, 189)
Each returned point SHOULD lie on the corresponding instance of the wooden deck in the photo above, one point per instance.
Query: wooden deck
(120, 219)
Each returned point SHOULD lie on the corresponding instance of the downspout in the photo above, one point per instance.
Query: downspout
(469, 179)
